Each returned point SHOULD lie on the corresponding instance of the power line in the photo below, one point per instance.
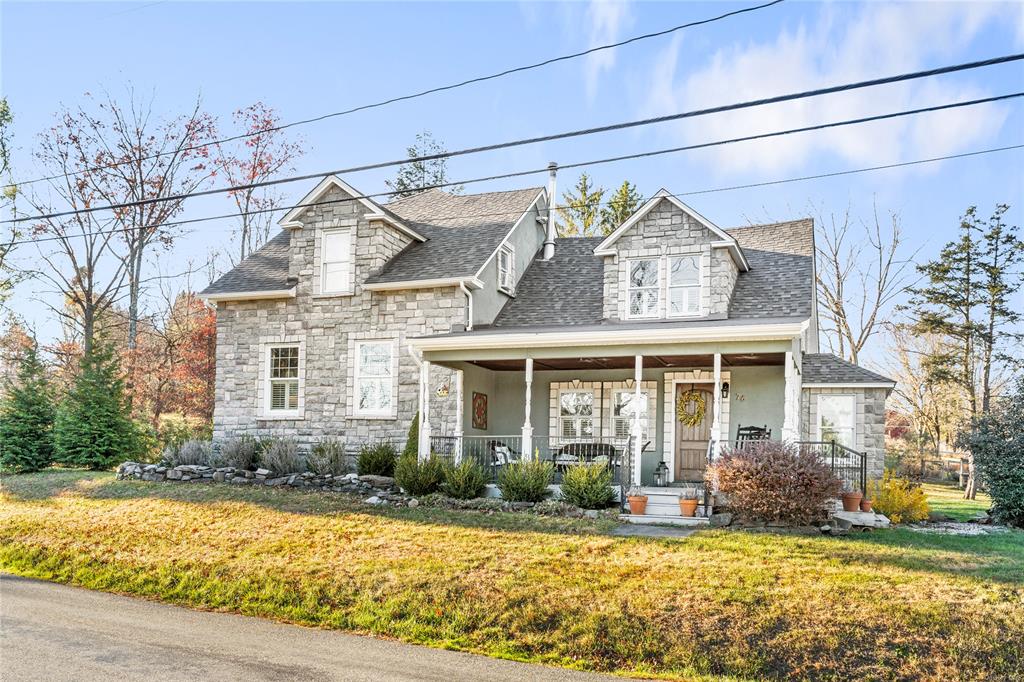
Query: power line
(713, 190)
(569, 134)
(422, 93)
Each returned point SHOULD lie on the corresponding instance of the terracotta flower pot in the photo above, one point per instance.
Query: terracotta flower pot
(851, 501)
(865, 505)
(637, 504)
(687, 507)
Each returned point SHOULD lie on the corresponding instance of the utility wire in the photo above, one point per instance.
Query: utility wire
(422, 93)
(556, 207)
(220, 190)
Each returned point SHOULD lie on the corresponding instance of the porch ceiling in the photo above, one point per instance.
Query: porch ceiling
(626, 362)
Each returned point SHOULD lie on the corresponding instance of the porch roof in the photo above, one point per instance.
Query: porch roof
(826, 369)
(667, 362)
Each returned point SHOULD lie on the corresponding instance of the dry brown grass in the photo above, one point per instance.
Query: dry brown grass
(725, 604)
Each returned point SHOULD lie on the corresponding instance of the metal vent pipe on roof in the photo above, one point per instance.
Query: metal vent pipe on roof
(549, 242)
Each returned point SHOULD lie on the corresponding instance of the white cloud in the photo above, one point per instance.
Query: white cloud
(604, 21)
(838, 46)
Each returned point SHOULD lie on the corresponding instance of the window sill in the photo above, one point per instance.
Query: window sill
(511, 293)
(287, 416)
(334, 294)
(375, 416)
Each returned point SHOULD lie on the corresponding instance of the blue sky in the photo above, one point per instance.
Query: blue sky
(305, 59)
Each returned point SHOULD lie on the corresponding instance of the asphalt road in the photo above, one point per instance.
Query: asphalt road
(55, 632)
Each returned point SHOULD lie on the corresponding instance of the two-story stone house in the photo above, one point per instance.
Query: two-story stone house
(466, 310)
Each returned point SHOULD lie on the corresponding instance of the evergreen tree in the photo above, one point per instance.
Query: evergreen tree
(414, 176)
(580, 211)
(26, 418)
(624, 203)
(94, 428)
(966, 300)
(413, 439)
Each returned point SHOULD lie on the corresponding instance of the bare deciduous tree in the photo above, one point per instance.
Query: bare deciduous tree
(264, 152)
(861, 272)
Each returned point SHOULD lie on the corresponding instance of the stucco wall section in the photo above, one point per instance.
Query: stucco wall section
(668, 231)
(327, 327)
(870, 422)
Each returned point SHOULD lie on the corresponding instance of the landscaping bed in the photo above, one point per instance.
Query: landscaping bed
(892, 604)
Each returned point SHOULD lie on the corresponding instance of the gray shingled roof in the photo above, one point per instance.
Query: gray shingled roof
(569, 288)
(825, 368)
(264, 270)
(462, 232)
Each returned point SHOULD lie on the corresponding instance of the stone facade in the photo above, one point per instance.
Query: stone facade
(870, 421)
(326, 328)
(664, 232)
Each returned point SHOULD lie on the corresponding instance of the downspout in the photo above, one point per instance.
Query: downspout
(549, 241)
(469, 305)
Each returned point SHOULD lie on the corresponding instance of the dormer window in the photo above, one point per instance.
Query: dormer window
(684, 286)
(507, 269)
(643, 288)
(336, 262)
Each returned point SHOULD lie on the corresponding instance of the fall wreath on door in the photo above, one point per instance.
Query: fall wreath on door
(690, 408)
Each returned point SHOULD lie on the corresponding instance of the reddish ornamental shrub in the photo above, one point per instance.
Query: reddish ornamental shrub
(772, 481)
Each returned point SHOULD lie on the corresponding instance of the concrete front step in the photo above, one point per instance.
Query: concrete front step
(664, 520)
(663, 508)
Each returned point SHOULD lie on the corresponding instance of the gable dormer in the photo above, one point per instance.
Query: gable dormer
(340, 238)
(668, 262)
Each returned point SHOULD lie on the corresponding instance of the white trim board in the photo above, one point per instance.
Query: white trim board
(727, 240)
(872, 384)
(471, 282)
(290, 219)
(249, 295)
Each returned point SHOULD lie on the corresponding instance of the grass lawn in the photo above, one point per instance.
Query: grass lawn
(948, 499)
(718, 605)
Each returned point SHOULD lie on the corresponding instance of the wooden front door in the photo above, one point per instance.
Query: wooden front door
(692, 441)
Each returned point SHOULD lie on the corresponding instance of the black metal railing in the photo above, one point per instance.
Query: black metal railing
(495, 451)
(849, 466)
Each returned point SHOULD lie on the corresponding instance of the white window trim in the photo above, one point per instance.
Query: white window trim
(392, 411)
(349, 288)
(817, 408)
(595, 412)
(700, 285)
(649, 389)
(510, 286)
(265, 410)
(657, 288)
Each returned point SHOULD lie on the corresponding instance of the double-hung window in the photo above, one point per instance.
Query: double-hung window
(336, 261)
(283, 380)
(643, 287)
(684, 286)
(837, 416)
(624, 410)
(576, 415)
(374, 379)
(507, 269)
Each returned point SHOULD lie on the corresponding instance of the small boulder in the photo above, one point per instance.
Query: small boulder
(219, 476)
(373, 500)
(720, 520)
(414, 503)
(173, 475)
(381, 482)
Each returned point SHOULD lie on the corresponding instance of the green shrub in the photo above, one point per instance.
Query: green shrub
(996, 441)
(26, 418)
(174, 429)
(413, 439)
(281, 455)
(465, 481)
(240, 453)
(419, 478)
(525, 481)
(588, 487)
(898, 498)
(773, 481)
(93, 428)
(377, 459)
(327, 458)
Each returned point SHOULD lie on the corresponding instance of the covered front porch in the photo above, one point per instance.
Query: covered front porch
(654, 415)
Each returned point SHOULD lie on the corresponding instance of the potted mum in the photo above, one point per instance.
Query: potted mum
(637, 501)
(688, 502)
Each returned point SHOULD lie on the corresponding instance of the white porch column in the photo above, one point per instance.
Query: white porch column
(460, 429)
(716, 419)
(791, 412)
(424, 444)
(638, 378)
(527, 400)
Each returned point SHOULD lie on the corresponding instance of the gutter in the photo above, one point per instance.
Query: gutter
(471, 282)
(249, 295)
(469, 306)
